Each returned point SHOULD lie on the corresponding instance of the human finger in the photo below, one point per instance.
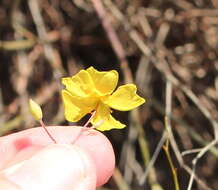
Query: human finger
(22, 145)
(55, 167)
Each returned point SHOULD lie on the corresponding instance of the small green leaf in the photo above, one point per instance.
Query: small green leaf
(35, 110)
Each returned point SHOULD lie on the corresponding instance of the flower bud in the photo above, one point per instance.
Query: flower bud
(35, 110)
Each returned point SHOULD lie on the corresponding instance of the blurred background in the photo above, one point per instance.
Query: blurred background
(168, 48)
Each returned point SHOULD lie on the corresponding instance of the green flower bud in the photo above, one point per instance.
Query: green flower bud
(35, 110)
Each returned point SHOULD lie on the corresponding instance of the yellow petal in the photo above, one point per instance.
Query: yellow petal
(79, 85)
(105, 82)
(105, 119)
(125, 98)
(35, 110)
(77, 107)
(110, 123)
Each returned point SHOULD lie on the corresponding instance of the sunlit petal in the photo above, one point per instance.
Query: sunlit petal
(105, 82)
(79, 85)
(110, 123)
(105, 119)
(77, 107)
(124, 98)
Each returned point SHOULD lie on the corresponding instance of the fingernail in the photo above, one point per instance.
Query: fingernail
(56, 167)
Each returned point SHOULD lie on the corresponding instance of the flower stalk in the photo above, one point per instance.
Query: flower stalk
(90, 119)
(36, 112)
(46, 130)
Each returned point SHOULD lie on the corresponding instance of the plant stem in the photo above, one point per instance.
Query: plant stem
(173, 169)
(46, 130)
(92, 115)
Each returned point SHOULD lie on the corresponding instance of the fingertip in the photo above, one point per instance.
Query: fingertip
(5, 184)
(58, 166)
(92, 142)
(100, 149)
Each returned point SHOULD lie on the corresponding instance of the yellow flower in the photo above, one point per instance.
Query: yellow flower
(92, 90)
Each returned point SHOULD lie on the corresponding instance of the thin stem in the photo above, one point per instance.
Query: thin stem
(46, 130)
(92, 115)
(173, 169)
(143, 178)
(194, 162)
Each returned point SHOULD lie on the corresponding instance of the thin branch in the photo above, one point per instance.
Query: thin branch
(114, 39)
(194, 162)
(143, 178)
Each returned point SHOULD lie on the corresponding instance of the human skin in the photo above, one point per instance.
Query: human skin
(82, 159)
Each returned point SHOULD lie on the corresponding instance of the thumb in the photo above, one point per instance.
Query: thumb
(56, 167)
